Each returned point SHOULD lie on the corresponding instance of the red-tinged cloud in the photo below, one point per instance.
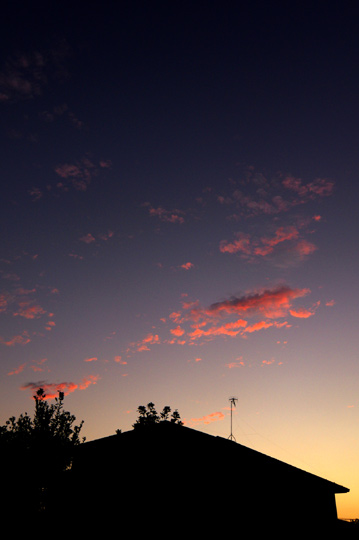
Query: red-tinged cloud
(29, 311)
(86, 382)
(79, 174)
(21, 339)
(320, 187)
(288, 238)
(39, 365)
(268, 362)
(271, 303)
(303, 313)
(118, 360)
(3, 302)
(176, 316)
(178, 331)
(91, 359)
(150, 339)
(213, 417)
(258, 326)
(281, 235)
(50, 325)
(88, 238)
(231, 329)
(304, 248)
(17, 370)
(235, 364)
(240, 244)
(51, 389)
(187, 266)
(169, 216)
(23, 77)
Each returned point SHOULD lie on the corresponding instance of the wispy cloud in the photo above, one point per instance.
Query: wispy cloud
(23, 77)
(187, 266)
(256, 195)
(168, 216)
(52, 389)
(29, 311)
(285, 241)
(271, 303)
(19, 339)
(208, 419)
(79, 174)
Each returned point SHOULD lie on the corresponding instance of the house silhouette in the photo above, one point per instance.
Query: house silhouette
(170, 479)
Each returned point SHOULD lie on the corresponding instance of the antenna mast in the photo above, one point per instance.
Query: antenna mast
(233, 404)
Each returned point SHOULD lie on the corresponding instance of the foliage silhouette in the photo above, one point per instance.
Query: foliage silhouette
(149, 416)
(36, 451)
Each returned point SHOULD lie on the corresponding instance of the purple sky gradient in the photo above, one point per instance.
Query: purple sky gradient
(179, 220)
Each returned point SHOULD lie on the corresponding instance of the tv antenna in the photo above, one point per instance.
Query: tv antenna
(233, 404)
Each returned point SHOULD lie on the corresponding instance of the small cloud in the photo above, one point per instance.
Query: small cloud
(235, 364)
(87, 239)
(91, 359)
(208, 419)
(187, 266)
(303, 313)
(20, 339)
(118, 360)
(86, 382)
(29, 311)
(178, 331)
(35, 193)
(18, 370)
(51, 389)
(169, 216)
(268, 362)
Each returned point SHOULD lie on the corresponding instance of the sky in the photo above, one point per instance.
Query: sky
(179, 187)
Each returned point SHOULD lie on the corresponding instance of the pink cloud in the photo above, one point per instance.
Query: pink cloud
(269, 302)
(231, 329)
(303, 313)
(281, 235)
(178, 331)
(86, 382)
(235, 364)
(170, 216)
(187, 266)
(91, 359)
(241, 244)
(150, 339)
(18, 370)
(258, 326)
(29, 311)
(208, 419)
(88, 238)
(22, 339)
(118, 360)
(51, 389)
(38, 366)
(320, 186)
(304, 248)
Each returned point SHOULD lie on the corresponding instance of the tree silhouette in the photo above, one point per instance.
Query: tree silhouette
(149, 416)
(37, 450)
